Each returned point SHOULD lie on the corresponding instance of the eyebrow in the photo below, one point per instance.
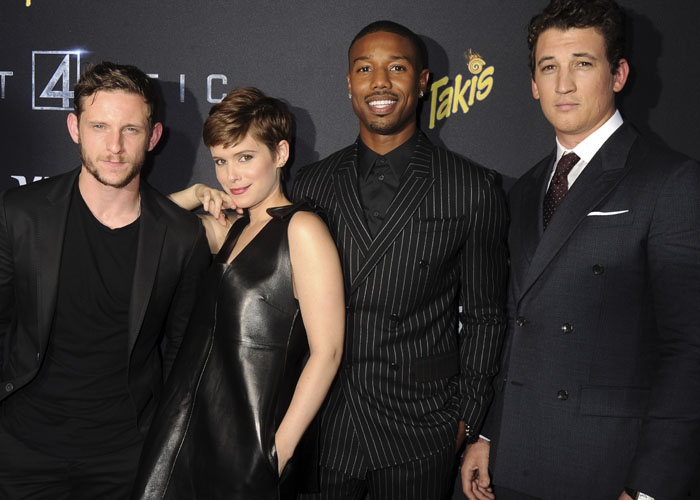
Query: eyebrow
(366, 58)
(584, 54)
(575, 54)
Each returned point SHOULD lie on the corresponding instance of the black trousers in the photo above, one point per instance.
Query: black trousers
(506, 494)
(28, 474)
(430, 478)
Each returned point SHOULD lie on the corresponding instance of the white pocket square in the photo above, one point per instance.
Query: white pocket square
(618, 212)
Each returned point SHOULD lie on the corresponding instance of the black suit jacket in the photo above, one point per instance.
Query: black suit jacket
(408, 375)
(171, 257)
(600, 385)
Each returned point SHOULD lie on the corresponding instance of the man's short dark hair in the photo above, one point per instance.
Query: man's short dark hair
(604, 15)
(397, 29)
(109, 76)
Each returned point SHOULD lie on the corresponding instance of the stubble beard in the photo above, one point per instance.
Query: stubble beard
(94, 171)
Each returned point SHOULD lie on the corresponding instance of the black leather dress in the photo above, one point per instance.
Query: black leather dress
(214, 432)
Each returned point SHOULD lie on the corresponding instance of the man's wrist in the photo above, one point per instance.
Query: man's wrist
(637, 495)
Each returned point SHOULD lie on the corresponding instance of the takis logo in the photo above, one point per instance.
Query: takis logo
(52, 72)
(477, 87)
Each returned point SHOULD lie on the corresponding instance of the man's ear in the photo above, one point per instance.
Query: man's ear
(535, 92)
(620, 75)
(73, 129)
(156, 133)
(423, 81)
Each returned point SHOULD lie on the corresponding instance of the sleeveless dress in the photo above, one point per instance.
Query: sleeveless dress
(214, 432)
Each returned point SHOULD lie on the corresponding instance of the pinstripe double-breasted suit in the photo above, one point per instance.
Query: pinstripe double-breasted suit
(408, 374)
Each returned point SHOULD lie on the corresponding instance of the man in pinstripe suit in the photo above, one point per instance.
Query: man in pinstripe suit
(421, 232)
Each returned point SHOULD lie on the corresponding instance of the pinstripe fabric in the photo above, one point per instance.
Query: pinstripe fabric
(430, 478)
(408, 375)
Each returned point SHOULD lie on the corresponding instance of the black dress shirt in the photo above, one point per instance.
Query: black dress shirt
(379, 177)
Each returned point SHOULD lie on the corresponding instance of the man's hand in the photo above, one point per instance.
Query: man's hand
(214, 200)
(476, 482)
(625, 496)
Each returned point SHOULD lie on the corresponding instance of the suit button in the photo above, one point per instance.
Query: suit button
(348, 309)
(567, 328)
(9, 387)
(520, 321)
(393, 366)
(598, 269)
(562, 395)
(423, 263)
(395, 318)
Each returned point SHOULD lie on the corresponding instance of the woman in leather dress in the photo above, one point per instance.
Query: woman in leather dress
(239, 397)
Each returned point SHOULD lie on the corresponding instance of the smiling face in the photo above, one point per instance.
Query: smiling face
(385, 84)
(113, 133)
(250, 172)
(574, 83)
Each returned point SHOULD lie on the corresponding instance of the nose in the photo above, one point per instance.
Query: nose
(233, 174)
(565, 81)
(380, 79)
(115, 142)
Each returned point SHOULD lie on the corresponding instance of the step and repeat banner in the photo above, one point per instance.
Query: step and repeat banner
(479, 102)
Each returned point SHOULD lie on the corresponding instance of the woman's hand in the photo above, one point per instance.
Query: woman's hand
(282, 456)
(214, 201)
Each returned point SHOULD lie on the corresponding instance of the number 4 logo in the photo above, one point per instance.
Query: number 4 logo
(58, 85)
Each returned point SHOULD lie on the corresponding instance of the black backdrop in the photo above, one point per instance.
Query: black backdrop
(297, 50)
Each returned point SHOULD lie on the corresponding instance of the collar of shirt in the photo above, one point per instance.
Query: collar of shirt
(397, 158)
(588, 147)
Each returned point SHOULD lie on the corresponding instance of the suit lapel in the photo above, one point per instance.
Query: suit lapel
(533, 197)
(607, 168)
(148, 252)
(345, 185)
(415, 184)
(51, 230)
(526, 219)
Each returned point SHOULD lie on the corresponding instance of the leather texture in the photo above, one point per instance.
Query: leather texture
(214, 433)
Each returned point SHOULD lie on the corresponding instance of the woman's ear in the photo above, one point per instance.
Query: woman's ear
(282, 153)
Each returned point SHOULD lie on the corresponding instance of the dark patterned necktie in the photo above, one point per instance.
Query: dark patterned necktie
(558, 187)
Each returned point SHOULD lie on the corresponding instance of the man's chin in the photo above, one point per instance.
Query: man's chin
(384, 128)
(116, 182)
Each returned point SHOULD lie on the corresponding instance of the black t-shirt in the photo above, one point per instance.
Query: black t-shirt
(79, 403)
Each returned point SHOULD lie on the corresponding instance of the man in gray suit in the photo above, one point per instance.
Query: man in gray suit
(421, 231)
(598, 396)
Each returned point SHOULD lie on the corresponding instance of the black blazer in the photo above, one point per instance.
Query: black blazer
(600, 386)
(171, 257)
(408, 374)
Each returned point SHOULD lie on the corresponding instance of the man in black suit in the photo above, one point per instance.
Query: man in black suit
(598, 396)
(96, 269)
(421, 232)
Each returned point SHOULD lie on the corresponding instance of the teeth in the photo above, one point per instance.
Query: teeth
(382, 103)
